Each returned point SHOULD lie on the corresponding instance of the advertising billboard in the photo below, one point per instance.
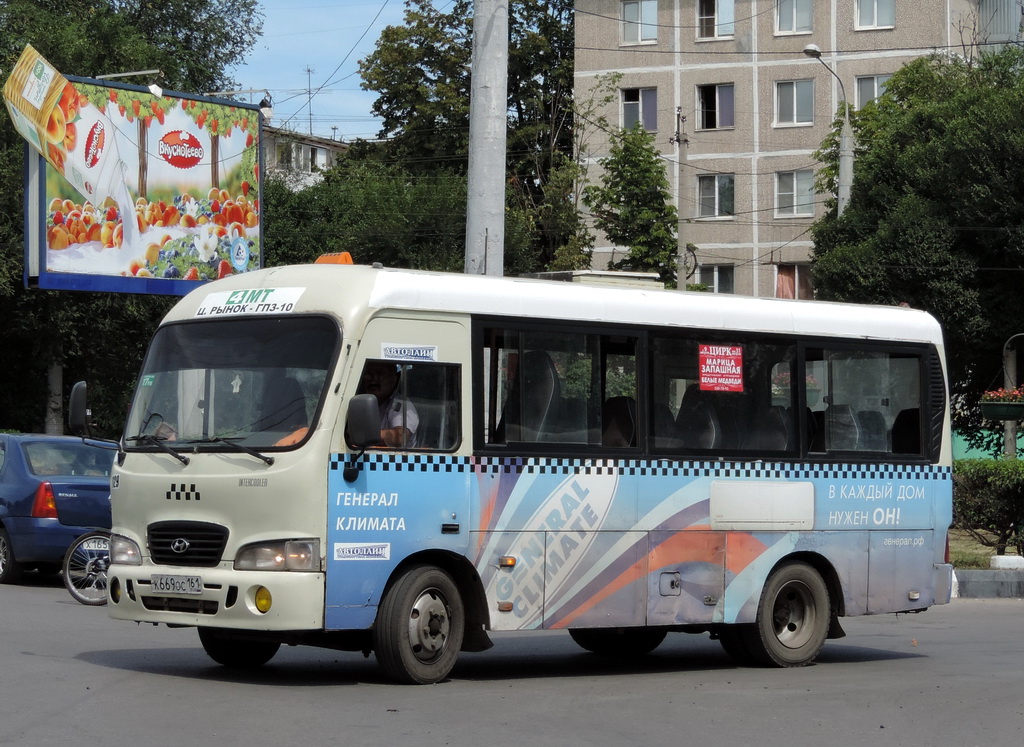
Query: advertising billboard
(134, 189)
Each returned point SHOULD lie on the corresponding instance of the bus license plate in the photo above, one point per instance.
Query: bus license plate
(178, 584)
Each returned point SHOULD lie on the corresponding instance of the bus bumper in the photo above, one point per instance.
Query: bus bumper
(224, 598)
(943, 582)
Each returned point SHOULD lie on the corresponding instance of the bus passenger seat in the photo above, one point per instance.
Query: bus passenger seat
(533, 403)
(841, 428)
(769, 431)
(698, 421)
(284, 406)
(906, 432)
(618, 422)
(872, 431)
(664, 424)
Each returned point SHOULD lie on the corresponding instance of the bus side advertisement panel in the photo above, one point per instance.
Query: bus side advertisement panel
(597, 543)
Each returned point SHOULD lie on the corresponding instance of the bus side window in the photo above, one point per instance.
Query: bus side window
(870, 400)
(433, 390)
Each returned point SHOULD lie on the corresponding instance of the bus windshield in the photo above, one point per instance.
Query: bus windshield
(249, 382)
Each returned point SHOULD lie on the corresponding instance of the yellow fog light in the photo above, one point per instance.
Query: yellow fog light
(263, 599)
(115, 590)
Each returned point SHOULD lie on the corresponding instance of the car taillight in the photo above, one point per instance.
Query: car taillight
(44, 506)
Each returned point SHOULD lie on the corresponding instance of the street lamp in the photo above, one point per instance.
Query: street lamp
(845, 136)
(154, 89)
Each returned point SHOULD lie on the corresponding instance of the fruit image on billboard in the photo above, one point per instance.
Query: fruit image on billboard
(142, 193)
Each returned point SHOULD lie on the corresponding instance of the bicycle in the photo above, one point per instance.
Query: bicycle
(85, 568)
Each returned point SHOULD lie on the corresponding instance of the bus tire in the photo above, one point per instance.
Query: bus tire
(792, 618)
(619, 642)
(234, 652)
(420, 626)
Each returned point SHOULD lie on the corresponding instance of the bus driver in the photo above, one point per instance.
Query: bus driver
(398, 418)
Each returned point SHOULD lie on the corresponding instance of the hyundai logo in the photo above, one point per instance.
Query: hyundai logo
(180, 545)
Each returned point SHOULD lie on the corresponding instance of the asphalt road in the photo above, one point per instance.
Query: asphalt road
(953, 675)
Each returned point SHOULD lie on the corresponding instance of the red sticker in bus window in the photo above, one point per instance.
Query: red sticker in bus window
(721, 368)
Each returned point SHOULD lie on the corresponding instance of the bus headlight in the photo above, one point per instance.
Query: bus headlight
(286, 555)
(124, 551)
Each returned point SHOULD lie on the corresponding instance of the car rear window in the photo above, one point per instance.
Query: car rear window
(68, 459)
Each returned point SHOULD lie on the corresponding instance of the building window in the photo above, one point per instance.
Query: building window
(999, 20)
(639, 21)
(284, 155)
(876, 14)
(640, 105)
(793, 281)
(715, 18)
(793, 16)
(715, 197)
(870, 87)
(718, 278)
(716, 106)
(794, 102)
(794, 193)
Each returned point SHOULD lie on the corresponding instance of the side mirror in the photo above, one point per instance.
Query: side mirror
(363, 423)
(362, 429)
(78, 411)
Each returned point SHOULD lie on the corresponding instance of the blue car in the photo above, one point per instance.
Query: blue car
(52, 490)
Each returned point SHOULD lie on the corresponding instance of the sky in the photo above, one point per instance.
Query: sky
(328, 37)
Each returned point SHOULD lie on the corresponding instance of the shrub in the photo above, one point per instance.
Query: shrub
(988, 502)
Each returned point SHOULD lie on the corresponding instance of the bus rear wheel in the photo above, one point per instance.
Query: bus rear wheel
(618, 641)
(234, 652)
(420, 626)
(792, 618)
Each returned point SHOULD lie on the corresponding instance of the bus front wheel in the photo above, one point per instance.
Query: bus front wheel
(420, 626)
(236, 653)
(792, 618)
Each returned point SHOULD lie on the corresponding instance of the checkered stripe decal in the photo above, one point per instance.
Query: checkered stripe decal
(183, 492)
(431, 463)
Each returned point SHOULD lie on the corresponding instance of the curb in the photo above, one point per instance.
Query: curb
(1000, 584)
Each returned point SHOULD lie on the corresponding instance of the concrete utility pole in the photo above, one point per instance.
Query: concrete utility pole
(488, 122)
(1010, 382)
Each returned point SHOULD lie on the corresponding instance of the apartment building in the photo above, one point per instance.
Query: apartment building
(738, 108)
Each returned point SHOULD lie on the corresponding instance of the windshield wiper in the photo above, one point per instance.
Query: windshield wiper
(158, 441)
(236, 446)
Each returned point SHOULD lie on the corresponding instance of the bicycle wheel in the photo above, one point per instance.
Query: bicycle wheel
(85, 568)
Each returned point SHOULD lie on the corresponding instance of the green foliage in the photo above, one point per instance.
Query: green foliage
(632, 205)
(988, 502)
(95, 336)
(421, 72)
(381, 213)
(936, 211)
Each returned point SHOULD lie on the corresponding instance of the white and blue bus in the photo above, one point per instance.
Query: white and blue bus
(383, 460)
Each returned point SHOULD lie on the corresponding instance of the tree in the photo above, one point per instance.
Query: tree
(96, 336)
(936, 213)
(631, 204)
(421, 71)
(383, 213)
